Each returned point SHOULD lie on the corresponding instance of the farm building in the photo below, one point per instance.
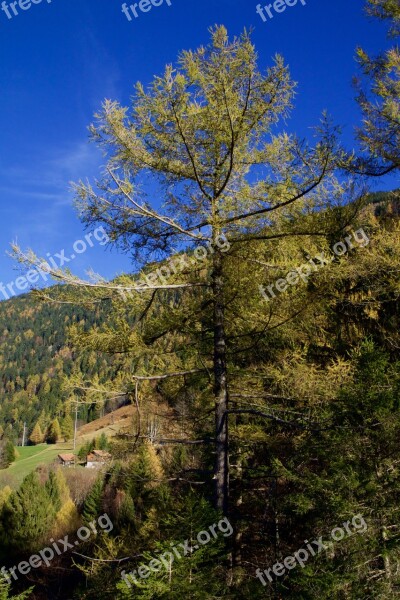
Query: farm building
(97, 458)
(66, 460)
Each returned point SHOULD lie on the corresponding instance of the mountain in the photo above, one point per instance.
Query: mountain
(35, 357)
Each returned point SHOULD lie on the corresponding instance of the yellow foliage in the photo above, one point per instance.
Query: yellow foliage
(5, 493)
(62, 486)
(67, 518)
(154, 462)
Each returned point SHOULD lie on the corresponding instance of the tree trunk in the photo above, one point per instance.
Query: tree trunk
(221, 474)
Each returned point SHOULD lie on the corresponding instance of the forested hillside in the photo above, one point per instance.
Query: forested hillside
(35, 359)
(315, 444)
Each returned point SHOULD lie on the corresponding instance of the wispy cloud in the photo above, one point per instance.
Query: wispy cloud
(41, 188)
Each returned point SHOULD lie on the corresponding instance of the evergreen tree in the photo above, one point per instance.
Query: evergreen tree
(93, 501)
(5, 493)
(5, 591)
(67, 428)
(7, 454)
(386, 9)
(145, 477)
(53, 490)
(86, 449)
(328, 477)
(126, 515)
(314, 425)
(379, 99)
(103, 442)
(83, 451)
(214, 122)
(54, 432)
(43, 420)
(28, 514)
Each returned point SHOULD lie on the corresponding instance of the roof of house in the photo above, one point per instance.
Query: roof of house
(98, 455)
(66, 457)
(101, 453)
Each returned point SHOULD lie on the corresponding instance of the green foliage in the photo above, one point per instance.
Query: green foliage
(144, 478)
(28, 514)
(53, 490)
(86, 449)
(5, 592)
(347, 469)
(67, 427)
(93, 501)
(386, 9)
(379, 98)
(8, 454)
(54, 432)
(36, 358)
(312, 375)
(103, 442)
(36, 436)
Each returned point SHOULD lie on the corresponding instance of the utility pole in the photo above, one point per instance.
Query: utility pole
(76, 424)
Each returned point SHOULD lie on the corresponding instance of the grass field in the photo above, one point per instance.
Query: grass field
(28, 451)
(30, 457)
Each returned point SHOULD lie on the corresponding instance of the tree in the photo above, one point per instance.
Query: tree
(9, 453)
(202, 568)
(5, 591)
(92, 506)
(53, 489)
(28, 514)
(36, 436)
(145, 477)
(54, 433)
(348, 469)
(67, 428)
(233, 189)
(386, 9)
(43, 420)
(103, 442)
(380, 99)
(5, 493)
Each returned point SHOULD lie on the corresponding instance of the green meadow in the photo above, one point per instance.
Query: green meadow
(28, 459)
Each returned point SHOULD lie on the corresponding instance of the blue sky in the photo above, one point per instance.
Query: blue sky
(61, 59)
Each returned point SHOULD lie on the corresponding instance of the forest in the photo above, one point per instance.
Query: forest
(257, 342)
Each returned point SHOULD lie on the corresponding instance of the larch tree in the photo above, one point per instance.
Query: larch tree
(379, 99)
(204, 137)
(54, 432)
(36, 436)
(386, 9)
(67, 428)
